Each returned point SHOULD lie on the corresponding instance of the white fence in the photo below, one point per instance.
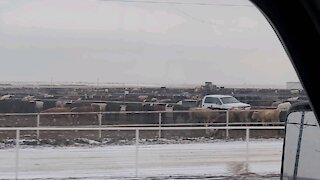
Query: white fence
(159, 124)
(137, 131)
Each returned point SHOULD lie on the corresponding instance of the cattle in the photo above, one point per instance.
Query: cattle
(143, 97)
(85, 109)
(28, 98)
(56, 109)
(266, 116)
(220, 116)
(81, 117)
(294, 91)
(39, 106)
(154, 107)
(154, 100)
(165, 100)
(6, 97)
(60, 104)
(239, 116)
(284, 106)
(100, 106)
(275, 104)
(207, 116)
(147, 107)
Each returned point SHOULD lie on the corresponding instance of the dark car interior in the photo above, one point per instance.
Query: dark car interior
(297, 25)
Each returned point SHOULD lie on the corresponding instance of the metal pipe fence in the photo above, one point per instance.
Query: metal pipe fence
(137, 139)
(122, 112)
(160, 123)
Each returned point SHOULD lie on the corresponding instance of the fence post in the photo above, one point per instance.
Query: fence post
(100, 123)
(38, 125)
(247, 148)
(137, 152)
(17, 153)
(227, 124)
(160, 122)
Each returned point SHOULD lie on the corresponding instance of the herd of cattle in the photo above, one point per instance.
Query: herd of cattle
(60, 107)
(193, 115)
(238, 116)
(199, 114)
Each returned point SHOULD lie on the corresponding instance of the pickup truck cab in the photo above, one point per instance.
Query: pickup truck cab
(223, 102)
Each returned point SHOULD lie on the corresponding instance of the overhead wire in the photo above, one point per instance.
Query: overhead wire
(193, 17)
(180, 3)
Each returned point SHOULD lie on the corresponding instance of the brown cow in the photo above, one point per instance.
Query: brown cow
(84, 117)
(268, 115)
(85, 109)
(58, 110)
(220, 116)
(207, 116)
(239, 116)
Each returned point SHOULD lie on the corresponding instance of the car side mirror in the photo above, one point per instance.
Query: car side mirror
(301, 150)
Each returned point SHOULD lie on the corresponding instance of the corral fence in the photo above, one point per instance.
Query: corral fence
(154, 119)
(137, 131)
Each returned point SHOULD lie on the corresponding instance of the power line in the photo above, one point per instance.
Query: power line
(192, 17)
(180, 3)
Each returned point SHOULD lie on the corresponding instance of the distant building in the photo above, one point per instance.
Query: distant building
(294, 85)
(209, 86)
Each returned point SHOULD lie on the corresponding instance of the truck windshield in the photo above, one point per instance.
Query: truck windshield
(228, 100)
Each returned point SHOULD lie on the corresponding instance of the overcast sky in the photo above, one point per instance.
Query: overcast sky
(128, 42)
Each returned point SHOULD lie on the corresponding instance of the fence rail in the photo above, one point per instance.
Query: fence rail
(159, 123)
(121, 112)
(139, 128)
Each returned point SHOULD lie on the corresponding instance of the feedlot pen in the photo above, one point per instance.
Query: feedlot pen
(137, 119)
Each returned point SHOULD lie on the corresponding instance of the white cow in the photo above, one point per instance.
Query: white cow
(39, 106)
(142, 97)
(284, 106)
(6, 97)
(27, 98)
(60, 104)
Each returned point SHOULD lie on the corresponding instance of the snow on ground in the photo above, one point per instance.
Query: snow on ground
(224, 158)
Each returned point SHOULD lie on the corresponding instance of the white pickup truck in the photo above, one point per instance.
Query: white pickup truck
(223, 102)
